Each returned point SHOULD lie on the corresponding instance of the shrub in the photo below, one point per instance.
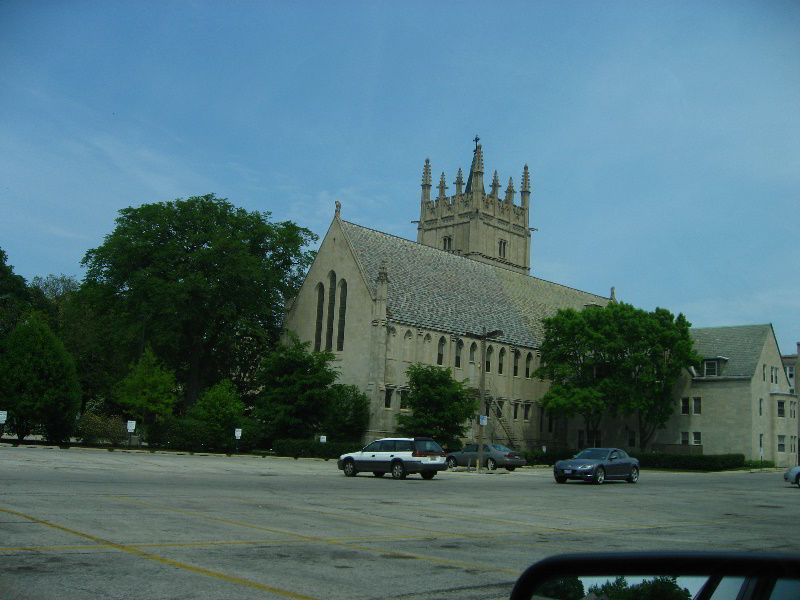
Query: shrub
(313, 448)
(195, 435)
(759, 464)
(692, 462)
(553, 455)
(92, 429)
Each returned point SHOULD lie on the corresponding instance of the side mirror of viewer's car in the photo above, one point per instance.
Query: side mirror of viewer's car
(662, 576)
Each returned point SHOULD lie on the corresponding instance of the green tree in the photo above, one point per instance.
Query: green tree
(295, 390)
(573, 353)
(200, 280)
(221, 410)
(53, 293)
(15, 297)
(440, 405)
(38, 382)
(347, 415)
(615, 360)
(149, 388)
(657, 588)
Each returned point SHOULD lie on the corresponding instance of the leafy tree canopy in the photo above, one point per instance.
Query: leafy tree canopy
(440, 405)
(202, 281)
(38, 382)
(149, 389)
(295, 390)
(658, 588)
(616, 360)
(15, 297)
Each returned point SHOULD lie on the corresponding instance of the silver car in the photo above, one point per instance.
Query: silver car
(494, 455)
(792, 476)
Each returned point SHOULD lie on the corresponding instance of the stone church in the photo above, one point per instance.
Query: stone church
(381, 303)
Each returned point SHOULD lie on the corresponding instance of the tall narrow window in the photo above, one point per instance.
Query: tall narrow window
(408, 349)
(387, 399)
(342, 312)
(459, 352)
(516, 363)
(427, 346)
(320, 309)
(440, 351)
(529, 366)
(501, 248)
(472, 351)
(447, 243)
(489, 354)
(500, 360)
(331, 307)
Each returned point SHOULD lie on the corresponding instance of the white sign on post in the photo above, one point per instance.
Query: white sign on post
(131, 426)
(237, 433)
(484, 420)
(323, 439)
(3, 416)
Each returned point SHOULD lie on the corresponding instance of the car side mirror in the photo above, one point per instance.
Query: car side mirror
(658, 575)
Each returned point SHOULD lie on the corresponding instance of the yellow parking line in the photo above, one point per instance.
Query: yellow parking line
(161, 559)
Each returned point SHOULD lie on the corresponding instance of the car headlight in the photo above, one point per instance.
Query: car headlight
(583, 467)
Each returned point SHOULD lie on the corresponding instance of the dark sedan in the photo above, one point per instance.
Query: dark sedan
(597, 465)
(494, 455)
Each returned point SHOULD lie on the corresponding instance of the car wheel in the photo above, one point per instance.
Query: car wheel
(398, 470)
(452, 463)
(428, 474)
(561, 480)
(600, 475)
(378, 473)
(510, 468)
(349, 468)
(634, 476)
(491, 464)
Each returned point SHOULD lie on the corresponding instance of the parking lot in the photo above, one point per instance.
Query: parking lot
(80, 523)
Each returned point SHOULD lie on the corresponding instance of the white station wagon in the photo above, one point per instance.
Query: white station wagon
(398, 456)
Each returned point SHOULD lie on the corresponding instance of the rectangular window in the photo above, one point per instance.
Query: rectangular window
(516, 410)
(697, 439)
(764, 372)
(684, 438)
(781, 408)
(696, 406)
(760, 407)
(387, 400)
(527, 412)
(631, 438)
(710, 368)
(403, 399)
(760, 440)
(781, 443)
(684, 406)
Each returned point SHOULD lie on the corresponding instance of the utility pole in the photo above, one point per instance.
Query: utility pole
(482, 388)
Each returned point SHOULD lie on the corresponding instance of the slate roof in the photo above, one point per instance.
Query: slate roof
(446, 292)
(741, 345)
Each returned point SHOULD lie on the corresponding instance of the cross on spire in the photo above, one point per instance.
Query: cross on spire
(476, 140)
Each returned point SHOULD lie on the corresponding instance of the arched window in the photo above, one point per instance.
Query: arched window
(408, 354)
(529, 366)
(489, 354)
(342, 314)
(320, 308)
(472, 350)
(440, 351)
(500, 360)
(331, 307)
(459, 352)
(427, 346)
(516, 363)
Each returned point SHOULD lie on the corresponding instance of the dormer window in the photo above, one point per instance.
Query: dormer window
(710, 368)
(447, 243)
(501, 248)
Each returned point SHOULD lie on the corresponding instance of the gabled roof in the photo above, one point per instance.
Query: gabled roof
(741, 344)
(446, 292)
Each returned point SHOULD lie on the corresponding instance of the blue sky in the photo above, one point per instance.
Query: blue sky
(663, 138)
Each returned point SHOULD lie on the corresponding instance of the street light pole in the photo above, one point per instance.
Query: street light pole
(482, 390)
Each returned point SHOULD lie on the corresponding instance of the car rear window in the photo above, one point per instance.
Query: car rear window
(428, 446)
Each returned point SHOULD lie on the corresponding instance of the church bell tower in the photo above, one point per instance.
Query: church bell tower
(489, 227)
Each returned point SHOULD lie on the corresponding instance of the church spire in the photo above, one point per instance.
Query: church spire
(427, 182)
(510, 191)
(495, 184)
(525, 191)
(442, 188)
(476, 171)
(459, 182)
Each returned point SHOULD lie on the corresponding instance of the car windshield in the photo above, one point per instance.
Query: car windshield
(593, 453)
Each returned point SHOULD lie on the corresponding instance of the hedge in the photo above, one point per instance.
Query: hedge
(691, 462)
(313, 448)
